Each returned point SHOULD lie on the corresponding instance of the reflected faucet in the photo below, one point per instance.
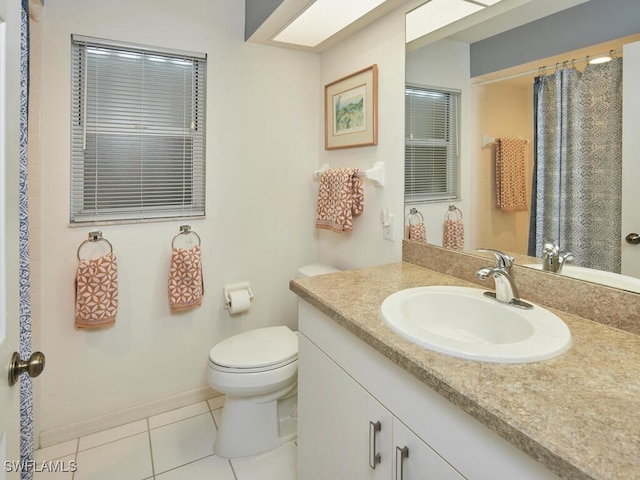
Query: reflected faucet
(506, 289)
(552, 258)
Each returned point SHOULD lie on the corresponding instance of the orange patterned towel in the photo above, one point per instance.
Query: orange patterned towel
(453, 236)
(186, 286)
(418, 232)
(97, 292)
(511, 192)
(340, 197)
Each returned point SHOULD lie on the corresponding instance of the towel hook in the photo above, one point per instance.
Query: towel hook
(95, 236)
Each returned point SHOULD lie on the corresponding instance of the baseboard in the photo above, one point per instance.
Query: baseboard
(122, 417)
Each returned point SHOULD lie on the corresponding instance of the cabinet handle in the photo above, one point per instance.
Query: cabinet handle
(401, 454)
(374, 456)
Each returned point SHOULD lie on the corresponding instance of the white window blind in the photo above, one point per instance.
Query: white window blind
(432, 160)
(137, 132)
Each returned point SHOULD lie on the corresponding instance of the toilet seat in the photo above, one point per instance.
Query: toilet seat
(257, 350)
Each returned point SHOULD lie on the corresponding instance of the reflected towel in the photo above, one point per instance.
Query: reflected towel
(453, 234)
(97, 292)
(417, 232)
(186, 286)
(340, 197)
(511, 192)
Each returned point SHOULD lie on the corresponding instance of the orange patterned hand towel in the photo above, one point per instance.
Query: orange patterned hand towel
(97, 292)
(511, 192)
(186, 286)
(418, 232)
(340, 197)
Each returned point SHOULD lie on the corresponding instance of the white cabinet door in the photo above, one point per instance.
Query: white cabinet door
(336, 417)
(418, 461)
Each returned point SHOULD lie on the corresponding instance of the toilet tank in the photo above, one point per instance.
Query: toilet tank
(315, 269)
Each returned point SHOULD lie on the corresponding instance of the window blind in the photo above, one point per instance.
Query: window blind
(432, 160)
(138, 132)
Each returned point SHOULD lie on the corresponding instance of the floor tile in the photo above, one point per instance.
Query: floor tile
(216, 402)
(213, 467)
(178, 414)
(56, 451)
(112, 434)
(217, 415)
(60, 469)
(125, 459)
(277, 464)
(182, 442)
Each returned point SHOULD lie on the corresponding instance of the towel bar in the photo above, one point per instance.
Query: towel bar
(375, 173)
(487, 141)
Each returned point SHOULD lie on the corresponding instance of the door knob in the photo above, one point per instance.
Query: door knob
(633, 238)
(33, 367)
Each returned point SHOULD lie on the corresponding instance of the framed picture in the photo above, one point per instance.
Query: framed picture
(351, 110)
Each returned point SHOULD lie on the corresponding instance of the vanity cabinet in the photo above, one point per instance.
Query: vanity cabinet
(345, 433)
(355, 404)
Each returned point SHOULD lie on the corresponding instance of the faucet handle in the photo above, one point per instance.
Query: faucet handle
(503, 260)
(550, 246)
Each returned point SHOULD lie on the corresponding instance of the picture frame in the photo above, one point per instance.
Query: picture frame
(351, 110)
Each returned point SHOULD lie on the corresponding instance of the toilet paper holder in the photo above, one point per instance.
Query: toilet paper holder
(234, 288)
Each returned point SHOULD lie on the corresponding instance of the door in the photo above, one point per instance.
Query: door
(630, 157)
(9, 231)
(343, 432)
(415, 460)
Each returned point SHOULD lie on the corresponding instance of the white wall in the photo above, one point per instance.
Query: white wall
(445, 64)
(262, 146)
(504, 110)
(381, 43)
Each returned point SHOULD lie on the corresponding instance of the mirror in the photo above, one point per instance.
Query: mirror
(498, 102)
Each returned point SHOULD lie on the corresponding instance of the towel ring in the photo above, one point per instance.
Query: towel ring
(94, 237)
(185, 230)
(453, 210)
(414, 214)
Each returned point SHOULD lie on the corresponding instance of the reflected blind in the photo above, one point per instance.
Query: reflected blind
(432, 159)
(137, 132)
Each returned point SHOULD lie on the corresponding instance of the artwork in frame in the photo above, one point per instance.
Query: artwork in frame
(351, 110)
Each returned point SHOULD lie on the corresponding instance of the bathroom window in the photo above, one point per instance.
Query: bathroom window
(137, 132)
(432, 158)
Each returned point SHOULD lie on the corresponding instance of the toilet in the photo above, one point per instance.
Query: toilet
(257, 370)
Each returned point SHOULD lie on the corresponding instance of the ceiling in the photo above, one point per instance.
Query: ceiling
(498, 18)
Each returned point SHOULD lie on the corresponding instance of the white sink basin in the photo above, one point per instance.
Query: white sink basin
(609, 279)
(463, 322)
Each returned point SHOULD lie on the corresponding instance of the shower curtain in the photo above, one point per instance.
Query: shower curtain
(577, 179)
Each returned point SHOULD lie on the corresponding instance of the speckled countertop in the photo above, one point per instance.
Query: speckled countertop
(579, 413)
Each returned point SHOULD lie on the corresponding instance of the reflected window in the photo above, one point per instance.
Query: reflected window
(432, 151)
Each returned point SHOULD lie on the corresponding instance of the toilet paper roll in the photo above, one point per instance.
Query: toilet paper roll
(240, 301)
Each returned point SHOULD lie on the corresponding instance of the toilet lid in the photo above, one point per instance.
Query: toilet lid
(261, 347)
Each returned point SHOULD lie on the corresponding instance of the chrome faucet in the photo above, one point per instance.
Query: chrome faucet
(506, 289)
(552, 258)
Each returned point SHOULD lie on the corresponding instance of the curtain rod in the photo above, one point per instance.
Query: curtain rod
(556, 66)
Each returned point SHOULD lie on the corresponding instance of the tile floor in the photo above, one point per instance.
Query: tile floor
(176, 445)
